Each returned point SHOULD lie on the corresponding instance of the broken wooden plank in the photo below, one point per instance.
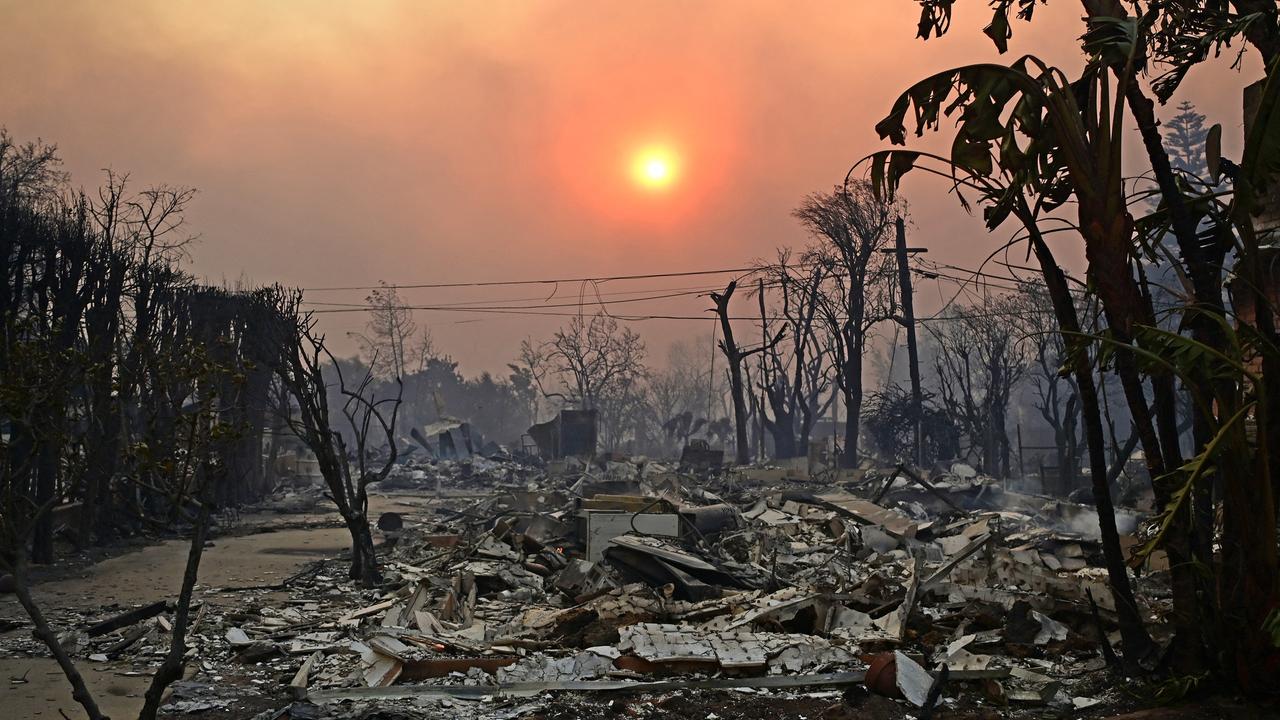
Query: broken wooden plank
(195, 622)
(302, 678)
(941, 573)
(126, 619)
(134, 635)
(909, 600)
(383, 671)
(929, 487)
(869, 513)
(884, 489)
(442, 666)
(367, 611)
(895, 622)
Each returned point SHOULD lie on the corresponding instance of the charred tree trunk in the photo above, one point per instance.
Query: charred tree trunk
(853, 406)
(1138, 647)
(102, 441)
(1249, 583)
(171, 668)
(994, 459)
(806, 426)
(1068, 447)
(279, 426)
(741, 443)
(106, 396)
(102, 455)
(44, 633)
(46, 488)
(300, 369)
(781, 428)
(258, 351)
(1191, 534)
(364, 559)
(734, 356)
(1124, 306)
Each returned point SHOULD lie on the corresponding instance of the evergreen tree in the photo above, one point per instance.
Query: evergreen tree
(1185, 135)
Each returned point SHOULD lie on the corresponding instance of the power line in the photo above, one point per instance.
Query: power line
(576, 303)
(631, 318)
(1007, 278)
(647, 276)
(522, 311)
(503, 306)
(962, 281)
(545, 281)
(584, 301)
(980, 273)
(665, 292)
(938, 267)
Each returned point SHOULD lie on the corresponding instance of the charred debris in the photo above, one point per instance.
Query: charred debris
(512, 584)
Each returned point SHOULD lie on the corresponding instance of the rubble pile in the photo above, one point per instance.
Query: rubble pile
(511, 580)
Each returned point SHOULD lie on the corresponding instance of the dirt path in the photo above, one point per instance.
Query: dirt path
(147, 575)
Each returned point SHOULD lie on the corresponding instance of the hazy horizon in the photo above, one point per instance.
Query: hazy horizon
(417, 143)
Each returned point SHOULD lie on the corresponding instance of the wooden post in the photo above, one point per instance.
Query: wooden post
(908, 321)
(1022, 469)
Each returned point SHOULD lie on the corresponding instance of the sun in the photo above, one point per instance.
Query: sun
(655, 167)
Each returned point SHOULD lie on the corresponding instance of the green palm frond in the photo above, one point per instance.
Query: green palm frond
(1194, 469)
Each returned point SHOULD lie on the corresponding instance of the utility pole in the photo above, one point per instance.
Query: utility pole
(908, 320)
(711, 374)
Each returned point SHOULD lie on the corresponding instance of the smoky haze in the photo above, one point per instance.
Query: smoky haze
(339, 144)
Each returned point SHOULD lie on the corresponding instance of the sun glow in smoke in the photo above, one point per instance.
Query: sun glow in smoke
(654, 167)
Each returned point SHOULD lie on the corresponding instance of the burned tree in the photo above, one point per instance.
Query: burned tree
(346, 464)
(980, 355)
(186, 484)
(680, 395)
(892, 423)
(210, 430)
(851, 224)
(1057, 394)
(594, 365)
(735, 354)
(388, 339)
(794, 374)
(593, 356)
(30, 372)
(115, 391)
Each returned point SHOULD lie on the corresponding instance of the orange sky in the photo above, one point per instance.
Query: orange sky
(340, 143)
